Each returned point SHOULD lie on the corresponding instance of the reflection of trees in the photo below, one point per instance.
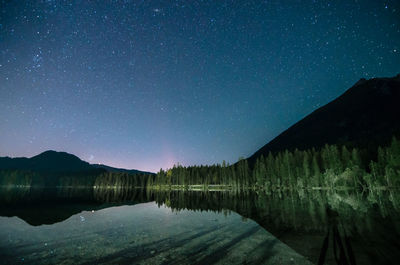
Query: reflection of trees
(290, 210)
(303, 211)
(343, 253)
(39, 206)
(120, 194)
(371, 216)
(354, 221)
(34, 195)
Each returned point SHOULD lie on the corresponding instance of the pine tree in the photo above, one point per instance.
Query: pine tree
(306, 169)
(346, 157)
(316, 172)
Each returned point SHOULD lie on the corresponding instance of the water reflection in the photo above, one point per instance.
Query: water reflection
(38, 206)
(325, 227)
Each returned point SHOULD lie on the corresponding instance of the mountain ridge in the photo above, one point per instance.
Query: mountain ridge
(366, 115)
(56, 161)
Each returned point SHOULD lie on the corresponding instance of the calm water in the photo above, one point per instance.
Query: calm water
(104, 226)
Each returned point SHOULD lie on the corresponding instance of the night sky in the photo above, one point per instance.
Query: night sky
(146, 84)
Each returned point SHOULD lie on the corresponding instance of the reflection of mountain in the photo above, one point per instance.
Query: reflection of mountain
(48, 206)
(366, 115)
(292, 217)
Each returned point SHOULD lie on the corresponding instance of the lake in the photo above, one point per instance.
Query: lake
(134, 226)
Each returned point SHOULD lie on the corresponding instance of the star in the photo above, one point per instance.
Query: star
(181, 75)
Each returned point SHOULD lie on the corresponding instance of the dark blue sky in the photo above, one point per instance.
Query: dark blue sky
(146, 84)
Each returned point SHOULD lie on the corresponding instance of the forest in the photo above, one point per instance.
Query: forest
(330, 167)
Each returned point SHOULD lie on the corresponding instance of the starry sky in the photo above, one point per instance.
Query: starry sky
(146, 84)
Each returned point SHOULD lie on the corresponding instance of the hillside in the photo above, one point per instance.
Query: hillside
(120, 170)
(366, 115)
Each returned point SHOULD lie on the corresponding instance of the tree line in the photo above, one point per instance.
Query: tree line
(103, 179)
(328, 167)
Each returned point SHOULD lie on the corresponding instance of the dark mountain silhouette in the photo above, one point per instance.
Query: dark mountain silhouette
(38, 206)
(121, 170)
(365, 116)
(49, 161)
(57, 162)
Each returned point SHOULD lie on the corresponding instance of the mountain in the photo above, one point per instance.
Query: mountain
(365, 116)
(57, 162)
(48, 161)
(121, 170)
